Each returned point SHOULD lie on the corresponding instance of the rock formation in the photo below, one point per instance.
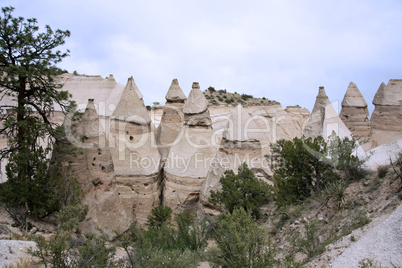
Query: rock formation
(386, 119)
(189, 159)
(324, 120)
(105, 208)
(93, 168)
(172, 122)
(136, 158)
(240, 143)
(355, 114)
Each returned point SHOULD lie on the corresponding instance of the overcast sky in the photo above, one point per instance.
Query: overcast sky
(281, 50)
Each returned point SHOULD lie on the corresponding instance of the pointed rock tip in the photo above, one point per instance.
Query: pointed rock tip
(353, 97)
(321, 92)
(133, 86)
(196, 102)
(130, 107)
(384, 96)
(195, 85)
(90, 120)
(175, 94)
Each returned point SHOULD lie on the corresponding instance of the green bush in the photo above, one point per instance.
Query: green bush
(241, 242)
(162, 245)
(305, 166)
(341, 154)
(301, 173)
(243, 190)
(211, 89)
(159, 215)
(246, 97)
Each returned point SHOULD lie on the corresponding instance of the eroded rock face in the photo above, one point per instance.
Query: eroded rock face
(240, 144)
(197, 103)
(355, 114)
(386, 119)
(136, 158)
(315, 122)
(172, 122)
(94, 170)
(324, 120)
(189, 159)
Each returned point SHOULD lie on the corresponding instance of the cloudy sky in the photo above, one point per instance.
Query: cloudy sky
(281, 50)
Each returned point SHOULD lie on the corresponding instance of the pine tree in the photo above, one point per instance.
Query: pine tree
(30, 79)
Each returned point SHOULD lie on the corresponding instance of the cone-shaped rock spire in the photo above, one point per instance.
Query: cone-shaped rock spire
(324, 119)
(321, 100)
(189, 156)
(353, 97)
(355, 114)
(395, 85)
(196, 102)
(130, 107)
(175, 94)
(314, 125)
(386, 120)
(384, 96)
(91, 125)
(132, 85)
(172, 122)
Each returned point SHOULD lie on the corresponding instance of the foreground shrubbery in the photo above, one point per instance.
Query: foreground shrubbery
(243, 190)
(309, 166)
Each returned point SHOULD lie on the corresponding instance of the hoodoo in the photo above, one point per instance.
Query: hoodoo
(172, 122)
(386, 119)
(189, 159)
(324, 120)
(355, 114)
(136, 158)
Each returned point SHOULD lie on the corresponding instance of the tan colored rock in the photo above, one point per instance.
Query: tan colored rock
(324, 120)
(92, 127)
(314, 126)
(93, 168)
(395, 85)
(240, 144)
(386, 119)
(353, 97)
(172, 121)
(130, 106)
(385, 96)
(189, 159)
(196, 103)
(175, 94)
(241, 126)
(355, 114)
(136, 158)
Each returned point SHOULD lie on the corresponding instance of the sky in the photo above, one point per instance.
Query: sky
(281, 50)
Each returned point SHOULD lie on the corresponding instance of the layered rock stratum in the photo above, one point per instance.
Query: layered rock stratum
(136, 158)
(355, 115)
(386, 120)
(189, 159)
(171, 125)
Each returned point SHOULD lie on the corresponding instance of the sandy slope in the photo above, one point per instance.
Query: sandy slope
(382, 242)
